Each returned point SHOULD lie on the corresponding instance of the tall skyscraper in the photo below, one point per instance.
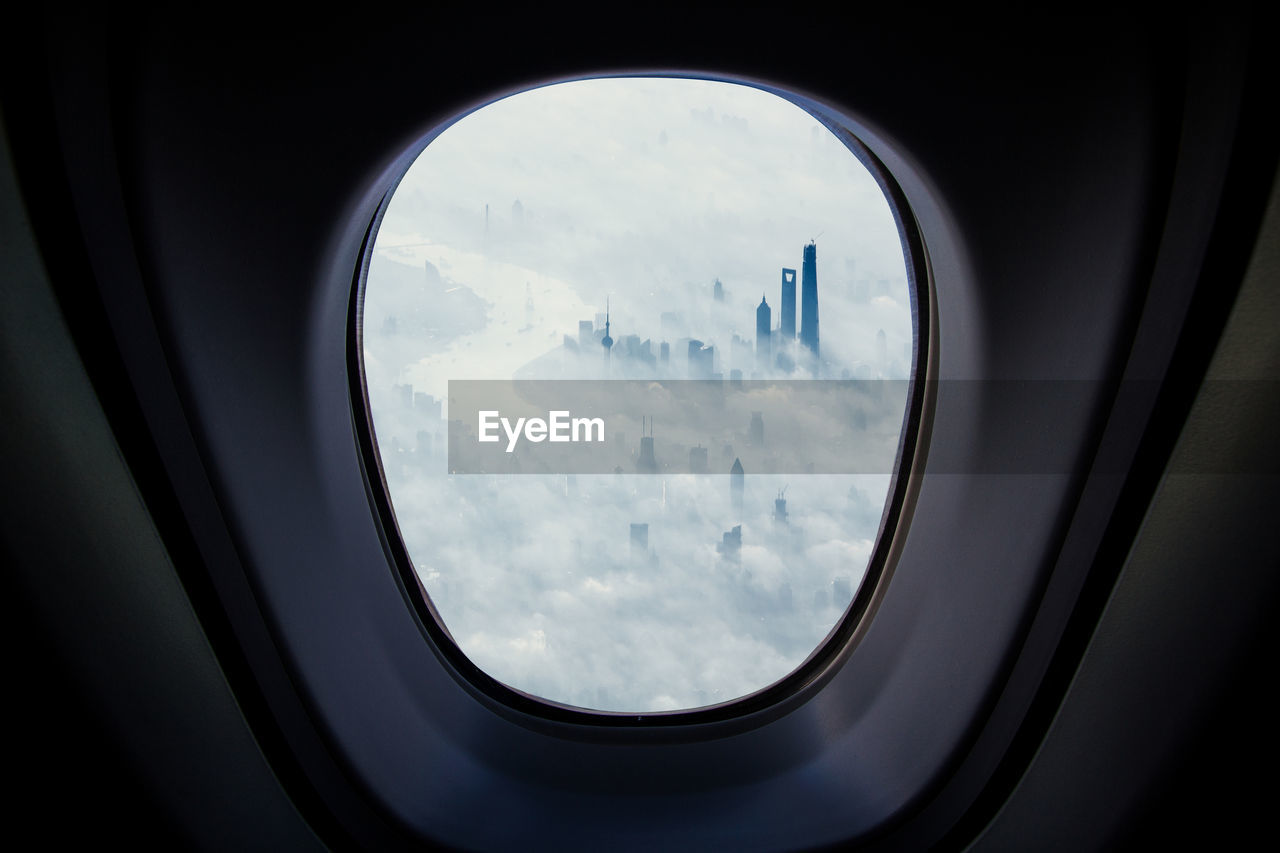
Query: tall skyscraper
(730, 545)
(809, 299)
(764, 327)
(701, 360)
(648, 462)
(737, 483)
(787, 330)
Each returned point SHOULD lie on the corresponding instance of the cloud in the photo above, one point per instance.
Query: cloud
(642, 193)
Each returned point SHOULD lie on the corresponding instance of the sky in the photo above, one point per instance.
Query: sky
(637, 194)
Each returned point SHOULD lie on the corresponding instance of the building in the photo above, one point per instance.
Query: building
(787, 329)
(737, 482)
(647, 463)
(809, 299)
(698, 460)
(701, 360)
(841, 591)
(764, 327)
(639, 539)
(730, 545)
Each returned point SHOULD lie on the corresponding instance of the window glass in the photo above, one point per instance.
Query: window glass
(695, 297)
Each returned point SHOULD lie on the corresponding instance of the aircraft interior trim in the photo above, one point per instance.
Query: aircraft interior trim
(214, 640)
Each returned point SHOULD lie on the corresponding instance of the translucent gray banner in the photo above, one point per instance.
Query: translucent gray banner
(821, 426)
(674, 426)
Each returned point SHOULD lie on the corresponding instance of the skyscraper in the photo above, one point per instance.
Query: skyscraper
(787, 330)
(737, 479)
(730, 545)
(639, 539)
(698, 460)
(809, 299)
(701, 360)
(764, 326)
(648, 462)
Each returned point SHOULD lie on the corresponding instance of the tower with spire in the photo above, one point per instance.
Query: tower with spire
(606, 341)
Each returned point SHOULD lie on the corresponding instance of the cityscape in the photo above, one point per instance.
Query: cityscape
(686, 574)
(752, 537)
(773, 353)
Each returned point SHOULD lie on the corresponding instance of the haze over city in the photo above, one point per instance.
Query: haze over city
(641, 229)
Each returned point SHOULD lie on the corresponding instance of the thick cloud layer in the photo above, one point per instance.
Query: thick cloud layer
(618, 591)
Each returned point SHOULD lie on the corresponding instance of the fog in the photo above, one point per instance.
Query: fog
(638, 194)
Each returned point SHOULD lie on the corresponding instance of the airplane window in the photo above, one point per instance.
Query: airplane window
(636, 353)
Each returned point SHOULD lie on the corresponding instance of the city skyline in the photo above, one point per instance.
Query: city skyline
(640, 225)
(774, 355)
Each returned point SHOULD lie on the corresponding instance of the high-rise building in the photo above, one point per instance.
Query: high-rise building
(737, 478)
(764, 329)
(730, 545)
(428, 405)
(756, 431)
(717, 291)
(742, 352)
(639, 539)
(780, 508)
(698, 460)
(787, 331)
(841, 591)
(701, 360)
(405, 392)
(809, 299)
(647, 463)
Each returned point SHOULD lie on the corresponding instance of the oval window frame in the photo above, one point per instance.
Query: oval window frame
(777, 698)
